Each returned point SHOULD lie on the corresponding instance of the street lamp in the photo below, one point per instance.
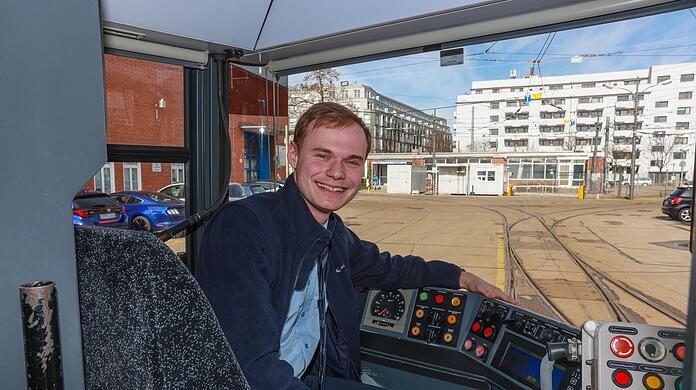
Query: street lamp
(635, 94)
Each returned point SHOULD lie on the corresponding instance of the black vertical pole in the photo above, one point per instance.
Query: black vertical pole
(41, 336)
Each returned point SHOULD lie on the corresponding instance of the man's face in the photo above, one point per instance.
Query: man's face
(329, 167)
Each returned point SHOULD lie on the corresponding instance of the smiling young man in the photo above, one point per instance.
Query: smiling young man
(281, 269)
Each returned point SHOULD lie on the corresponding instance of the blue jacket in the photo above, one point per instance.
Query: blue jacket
(256, 251)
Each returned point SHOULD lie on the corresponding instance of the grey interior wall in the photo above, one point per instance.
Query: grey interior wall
(52, 139)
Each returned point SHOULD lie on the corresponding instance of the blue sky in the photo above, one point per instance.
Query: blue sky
(418, 80)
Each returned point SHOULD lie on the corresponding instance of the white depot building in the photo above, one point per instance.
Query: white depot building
(565, 113)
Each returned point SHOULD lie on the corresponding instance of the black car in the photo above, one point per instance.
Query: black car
(677, 205)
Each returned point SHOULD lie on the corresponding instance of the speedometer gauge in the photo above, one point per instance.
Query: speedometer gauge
(388, 304)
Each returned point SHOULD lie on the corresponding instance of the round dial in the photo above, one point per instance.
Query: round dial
(388, 304)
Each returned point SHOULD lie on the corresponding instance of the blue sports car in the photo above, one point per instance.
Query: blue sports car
(150, 210)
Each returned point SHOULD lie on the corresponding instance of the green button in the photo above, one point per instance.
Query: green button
(423, 296)
(679, 385)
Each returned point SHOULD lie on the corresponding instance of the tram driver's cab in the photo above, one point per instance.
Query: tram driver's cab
(428, 338)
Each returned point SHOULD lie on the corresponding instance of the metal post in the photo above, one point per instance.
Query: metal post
(633, 141)
(41, 336)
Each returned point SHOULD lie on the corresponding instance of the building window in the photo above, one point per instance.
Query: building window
(661, 79)
(657, 148)
(685, 78)
(630, 82)
(478, 91)
(623, 98)
(495, 90)
(589, 114)
(493, 131)
(681, 140)
(627, 111)
(588, 127)
(516, 129)
(511, 103)
(683, 110)
(178, 173)
(131, 177)
(588, 141)
(662, 104)
(682, 126)
(558, 101)
(494, 118)
(659, 134)
(493, 145)
(552, 114)
(555, 87)
(628, 126)
(625, 140)
(591, 99)
(356, 93)
(551, 142)
(495, 105)
(519, 115)
(681, 155)
(588, 85)
(104, 179)
(551, 129)
(685, 95)
(660, 119)
(516, 143)
(655, 163)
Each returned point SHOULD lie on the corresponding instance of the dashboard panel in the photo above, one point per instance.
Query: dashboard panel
(415, 338)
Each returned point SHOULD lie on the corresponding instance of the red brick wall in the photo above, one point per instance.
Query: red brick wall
(133, 89)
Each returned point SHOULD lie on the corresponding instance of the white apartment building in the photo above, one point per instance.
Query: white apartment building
(395, 126)
(566, 113)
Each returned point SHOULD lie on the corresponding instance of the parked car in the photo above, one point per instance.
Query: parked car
(240, 191)
(268, 185)
(677, 205)
(176, 190)
(150, 210)
(639, 181)
(97, 209)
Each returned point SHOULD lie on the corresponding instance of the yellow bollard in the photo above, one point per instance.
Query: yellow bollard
(509, 190)
(581, 192)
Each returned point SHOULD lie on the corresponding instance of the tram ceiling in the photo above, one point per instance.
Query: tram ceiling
(366, 30)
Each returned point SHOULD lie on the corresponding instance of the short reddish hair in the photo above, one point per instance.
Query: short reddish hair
(328, 114)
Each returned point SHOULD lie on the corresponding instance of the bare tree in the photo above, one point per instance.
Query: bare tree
(661, 148)
(570, 143)
(317, 86)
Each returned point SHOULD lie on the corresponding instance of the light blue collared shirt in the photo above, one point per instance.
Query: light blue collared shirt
(301, 333)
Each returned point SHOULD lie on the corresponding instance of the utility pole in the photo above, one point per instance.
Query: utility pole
(606, 156)
(594, 155)
(631, 190)
(434, 165)
(472, 128)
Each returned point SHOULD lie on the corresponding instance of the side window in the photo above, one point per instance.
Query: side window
(687, 193)
(120, 199)
(491, 175)
(133, 200)
(236, 191)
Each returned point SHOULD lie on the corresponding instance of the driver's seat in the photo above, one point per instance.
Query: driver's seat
(145, 322)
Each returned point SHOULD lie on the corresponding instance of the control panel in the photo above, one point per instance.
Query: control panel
(498, 345)
(632, 356)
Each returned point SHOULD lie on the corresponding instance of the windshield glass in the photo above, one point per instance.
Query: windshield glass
(514, 161)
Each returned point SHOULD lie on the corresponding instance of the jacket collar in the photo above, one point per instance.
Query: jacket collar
(301, 219)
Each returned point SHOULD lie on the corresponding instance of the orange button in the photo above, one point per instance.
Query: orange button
(416, 331)
(653, 382)
(456, 301)
(451, 319)
(420, 313)
(680, 352)
(448, 337)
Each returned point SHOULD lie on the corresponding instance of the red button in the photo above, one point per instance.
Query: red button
(480, 351)
(622, 346)
(622, 378)
(680, 352)
(439, 299)
(476, 326)
(469, 344)
(488, 332)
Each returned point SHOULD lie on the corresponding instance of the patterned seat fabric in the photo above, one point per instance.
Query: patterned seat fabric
(145, 321)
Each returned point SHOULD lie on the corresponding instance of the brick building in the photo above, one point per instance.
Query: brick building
(145, 106)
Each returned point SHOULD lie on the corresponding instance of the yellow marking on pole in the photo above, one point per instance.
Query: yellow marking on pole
(500, 267)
